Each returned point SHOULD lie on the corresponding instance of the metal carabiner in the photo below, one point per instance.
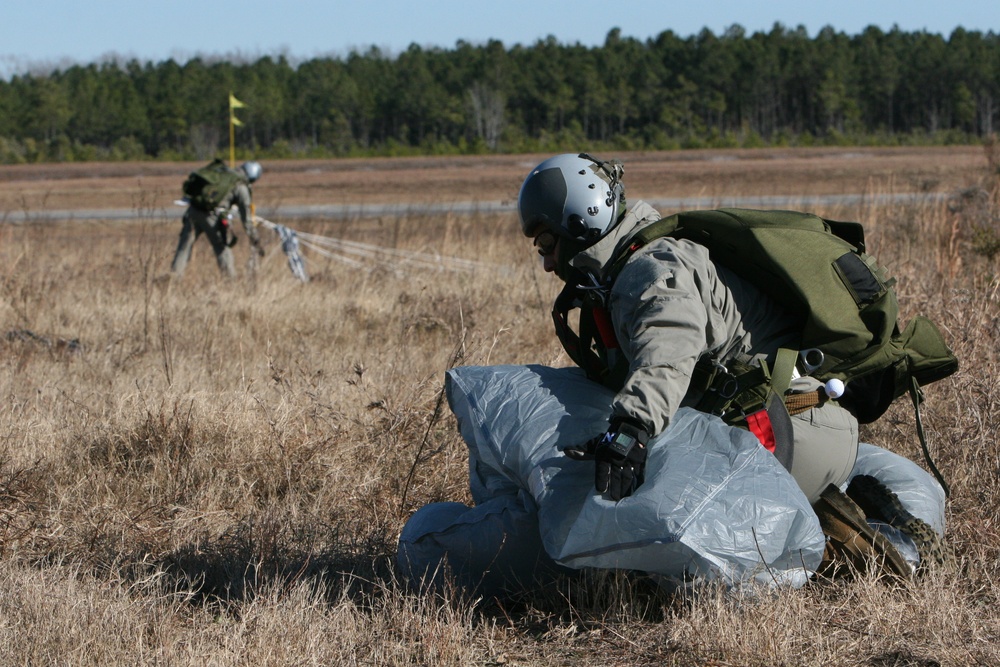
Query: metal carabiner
(811, 359)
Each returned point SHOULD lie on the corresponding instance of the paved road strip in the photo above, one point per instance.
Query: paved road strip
(349, 211)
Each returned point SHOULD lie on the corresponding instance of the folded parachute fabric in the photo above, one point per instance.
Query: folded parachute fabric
(715, 506)
(290, 246)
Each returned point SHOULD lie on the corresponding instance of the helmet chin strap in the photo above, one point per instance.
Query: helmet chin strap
(568, 249)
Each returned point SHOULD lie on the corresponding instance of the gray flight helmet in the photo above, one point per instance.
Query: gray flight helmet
(574, 196)
(252, 169)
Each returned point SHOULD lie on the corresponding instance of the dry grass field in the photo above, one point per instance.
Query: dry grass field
(207, 472)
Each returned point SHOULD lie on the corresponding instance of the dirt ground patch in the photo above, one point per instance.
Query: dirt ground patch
(715, 173)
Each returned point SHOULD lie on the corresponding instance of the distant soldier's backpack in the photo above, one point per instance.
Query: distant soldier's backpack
(205, 188)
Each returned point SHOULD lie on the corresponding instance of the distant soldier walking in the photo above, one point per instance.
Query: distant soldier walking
(211, 192)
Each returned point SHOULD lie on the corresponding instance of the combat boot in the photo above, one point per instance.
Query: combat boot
(879, 503)
(851, 544)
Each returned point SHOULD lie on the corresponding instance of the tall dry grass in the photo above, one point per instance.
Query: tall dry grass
(201, 471)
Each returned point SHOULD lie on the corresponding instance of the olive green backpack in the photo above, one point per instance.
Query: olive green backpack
(205, 188)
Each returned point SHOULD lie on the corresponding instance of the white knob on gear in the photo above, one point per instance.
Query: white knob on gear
(834, 388)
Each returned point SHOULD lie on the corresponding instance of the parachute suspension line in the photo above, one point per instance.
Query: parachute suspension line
(347, 252)
(330, 255)
(331, 247)
(380, 252)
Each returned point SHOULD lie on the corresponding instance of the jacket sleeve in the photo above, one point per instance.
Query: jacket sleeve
(669, 309)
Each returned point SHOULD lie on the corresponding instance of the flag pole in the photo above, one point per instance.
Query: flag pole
(233, 122)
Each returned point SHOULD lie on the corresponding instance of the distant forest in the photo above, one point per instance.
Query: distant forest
(780, 87)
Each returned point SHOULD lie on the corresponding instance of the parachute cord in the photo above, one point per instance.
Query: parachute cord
(340, 249)
(916, 396)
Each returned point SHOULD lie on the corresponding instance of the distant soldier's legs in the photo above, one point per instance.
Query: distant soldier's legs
(184, 244)
(223, 255)
(226, 263)
(204, 224)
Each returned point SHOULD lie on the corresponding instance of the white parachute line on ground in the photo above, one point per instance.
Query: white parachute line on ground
(419, 260)
(376, 251)
(330, 255)
(337, 249)
(319, 250)
(392, 262)
(394, 267)
(389, 254)
(422, 258)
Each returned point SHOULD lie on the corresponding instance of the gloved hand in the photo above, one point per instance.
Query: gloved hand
(620, 456)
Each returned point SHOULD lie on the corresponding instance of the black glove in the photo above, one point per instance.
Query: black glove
(620, 456)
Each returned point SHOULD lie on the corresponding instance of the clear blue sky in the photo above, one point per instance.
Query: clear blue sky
(38, 35)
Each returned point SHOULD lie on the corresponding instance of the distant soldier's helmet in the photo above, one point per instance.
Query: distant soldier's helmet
(252, 170)
(573, 196)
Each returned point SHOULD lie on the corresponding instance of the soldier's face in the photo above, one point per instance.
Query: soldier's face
(547, 244)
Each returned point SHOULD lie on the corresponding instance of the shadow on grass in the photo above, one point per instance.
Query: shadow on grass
(253, 557)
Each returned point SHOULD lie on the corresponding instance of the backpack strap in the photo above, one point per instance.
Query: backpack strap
(595, 348)
(741, 386)
(917, 397)
(579, 346)
(660, 228)
(784, 367)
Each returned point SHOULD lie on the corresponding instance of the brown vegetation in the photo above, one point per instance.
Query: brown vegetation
(707, 173)
(201, 471)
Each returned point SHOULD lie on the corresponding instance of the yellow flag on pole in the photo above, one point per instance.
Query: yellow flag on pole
(234, 104)
(233, 122)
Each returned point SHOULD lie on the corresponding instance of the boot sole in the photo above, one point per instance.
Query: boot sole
(859, 544)
(878, 502)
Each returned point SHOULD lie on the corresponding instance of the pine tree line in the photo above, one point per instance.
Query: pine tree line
(778, 87)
